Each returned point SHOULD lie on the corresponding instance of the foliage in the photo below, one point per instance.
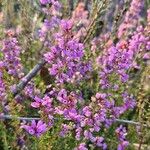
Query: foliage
(94, 72)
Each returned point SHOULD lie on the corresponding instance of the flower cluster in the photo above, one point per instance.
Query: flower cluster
(89, 85)
(95, 116)
(121, 134)
(91, 118)
(131, 18)
(45, 2)
(86, 121)
(119, 58)
(36, 129)
(64, 130)
(82, 146)
(147, 47)
(52, 20)
(11, 55)
(80, 20)
(65, 56)
(45, 102)
(65, 61)
(2, 84)
(115, 61)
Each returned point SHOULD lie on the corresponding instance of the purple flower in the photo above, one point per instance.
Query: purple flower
(87, 134)
(66, 24)
(123, 145)
(45, 102)
(36, 129)
(62, 96)
(44, 2)
(11, 57)
(37, 102)
(82, 146)
(121, 134)
(131, 18)
(86, 111)
(66, 56)
(146, 56)
(78, 133)
(64, 130)
(99, 141)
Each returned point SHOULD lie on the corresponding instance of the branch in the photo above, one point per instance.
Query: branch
(9, 117)
(128, 122)
(24, 81)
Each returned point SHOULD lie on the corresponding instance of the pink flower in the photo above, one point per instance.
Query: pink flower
(66, 24)
(37, 102)
(36, 129)
(45, 2)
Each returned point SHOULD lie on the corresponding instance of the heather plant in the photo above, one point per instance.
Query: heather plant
(76, 80)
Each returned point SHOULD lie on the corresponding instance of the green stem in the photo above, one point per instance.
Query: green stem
(4, 138)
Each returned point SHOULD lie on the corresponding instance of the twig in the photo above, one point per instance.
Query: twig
(24, 81)
(128, 122)
(9, 117)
